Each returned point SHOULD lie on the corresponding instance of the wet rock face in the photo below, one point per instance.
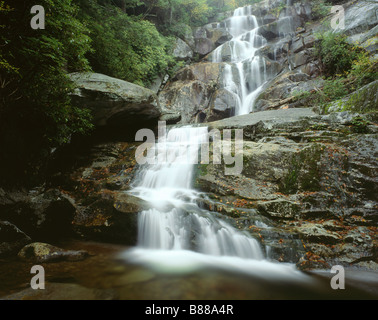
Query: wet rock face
(312, 177)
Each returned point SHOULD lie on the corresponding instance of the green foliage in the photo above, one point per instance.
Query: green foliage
(276, 12)
(35, 108)
(364, 70)
(125, 47)
(176, 15)
(320, 9)
(333, 89)
(4, 64)
(335, 54)
(360, 125)
(347, 67)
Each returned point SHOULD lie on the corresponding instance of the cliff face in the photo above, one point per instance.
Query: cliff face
(287, 32)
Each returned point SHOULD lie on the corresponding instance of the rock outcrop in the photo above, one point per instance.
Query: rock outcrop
(11, 238)
(308, 186)
(41, 214)
(114, 102)
(98, 185)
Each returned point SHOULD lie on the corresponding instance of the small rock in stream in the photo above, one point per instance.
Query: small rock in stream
(43, 253)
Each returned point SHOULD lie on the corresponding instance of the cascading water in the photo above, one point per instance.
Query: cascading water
(176, 234)
(245, 72)
(176, 222)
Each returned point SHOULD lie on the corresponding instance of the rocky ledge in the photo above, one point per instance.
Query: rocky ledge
(307, 191)
(308, 187)
(114, 102)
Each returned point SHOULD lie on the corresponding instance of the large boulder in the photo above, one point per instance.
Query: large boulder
(208, 38)
(114, 102)
(360, 17)
(11, 238)
(283, 87)
(42, 214)
(112, 217)
(363, 100)
(190, 92)
(182, 51)
(44, 253)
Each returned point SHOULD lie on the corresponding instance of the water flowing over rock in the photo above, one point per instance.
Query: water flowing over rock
(260, 46)
(250, 73)
(176, 222)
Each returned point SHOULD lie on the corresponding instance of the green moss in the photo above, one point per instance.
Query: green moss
(319, 127)
(304, 171)
(363, 100)
(291, 181)
(202, 170)
(360, 125)
(310, 160)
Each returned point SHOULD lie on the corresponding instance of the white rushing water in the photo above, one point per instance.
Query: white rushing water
(175, 221)
(176, 235)
(245, 73)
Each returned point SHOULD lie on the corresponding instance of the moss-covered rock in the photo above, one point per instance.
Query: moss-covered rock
(43, 253)
(363, 100)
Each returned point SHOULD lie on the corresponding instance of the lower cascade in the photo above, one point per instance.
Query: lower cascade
(176, 235)
(176, 222)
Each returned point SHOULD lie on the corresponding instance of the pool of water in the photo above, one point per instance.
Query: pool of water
(118, 273)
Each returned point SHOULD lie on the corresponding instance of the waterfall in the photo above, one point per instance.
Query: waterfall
(245, 73)
(175, 221)
(177, 235)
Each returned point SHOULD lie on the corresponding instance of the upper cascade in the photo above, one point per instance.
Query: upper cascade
(245, 73)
